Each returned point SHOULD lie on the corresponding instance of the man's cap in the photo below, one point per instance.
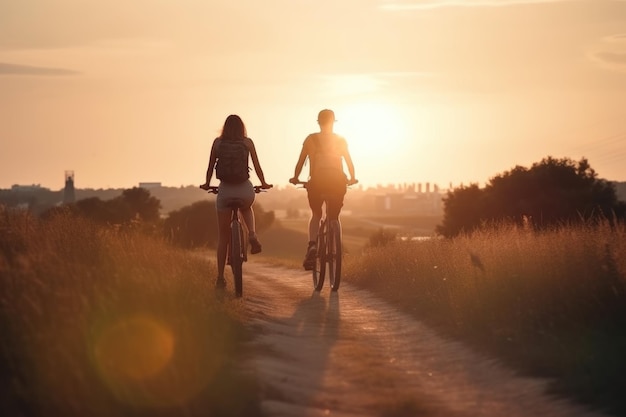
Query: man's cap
(326, 116)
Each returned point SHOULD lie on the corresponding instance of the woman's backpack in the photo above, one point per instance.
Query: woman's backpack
(232, 161)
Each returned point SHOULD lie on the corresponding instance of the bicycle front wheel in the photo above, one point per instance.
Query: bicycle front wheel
(236, 257)
(334, 254)
(319, 271)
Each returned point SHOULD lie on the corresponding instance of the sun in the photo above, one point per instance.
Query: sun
(373, 129)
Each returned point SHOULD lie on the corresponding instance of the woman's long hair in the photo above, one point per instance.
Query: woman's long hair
(233, 128)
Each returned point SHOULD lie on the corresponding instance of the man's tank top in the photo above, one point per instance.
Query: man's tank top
(326, 154)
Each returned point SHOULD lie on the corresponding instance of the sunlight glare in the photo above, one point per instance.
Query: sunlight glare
(373, 129)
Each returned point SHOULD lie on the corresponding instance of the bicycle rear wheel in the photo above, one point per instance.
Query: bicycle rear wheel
(319, 271)
(236, 257)
(334, 254)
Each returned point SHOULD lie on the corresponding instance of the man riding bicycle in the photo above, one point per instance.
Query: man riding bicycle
(326, 151)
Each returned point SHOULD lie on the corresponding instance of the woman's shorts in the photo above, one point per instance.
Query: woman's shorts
(227, 193)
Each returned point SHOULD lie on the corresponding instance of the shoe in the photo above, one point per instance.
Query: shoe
(309, 259)
(255, 246)
(220, 283)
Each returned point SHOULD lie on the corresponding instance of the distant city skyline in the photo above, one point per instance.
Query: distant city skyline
(425, 186)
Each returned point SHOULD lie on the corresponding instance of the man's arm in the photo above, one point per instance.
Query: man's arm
(348, 158)
(300, 164)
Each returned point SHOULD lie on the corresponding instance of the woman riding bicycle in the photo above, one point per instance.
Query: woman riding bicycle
(229, 157)
(326, 151)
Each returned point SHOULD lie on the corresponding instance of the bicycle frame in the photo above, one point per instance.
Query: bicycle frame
(329, 250)
(237, 247)
(237, 252)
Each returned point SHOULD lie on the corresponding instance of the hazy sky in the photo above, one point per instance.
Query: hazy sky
(439, 91)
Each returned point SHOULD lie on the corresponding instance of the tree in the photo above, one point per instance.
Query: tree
(196, 225)
(263, 219)
(192, 226)
(381, 238)
(95, 209)
(551, 192)
(463, 210)
(140, 204)
(133, 205)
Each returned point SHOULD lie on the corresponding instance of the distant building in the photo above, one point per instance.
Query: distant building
(410, 201)
(32, 187)
(148, 185)
(69, 192)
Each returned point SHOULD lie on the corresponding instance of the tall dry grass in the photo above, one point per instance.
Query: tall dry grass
(550, 304)
(104, 322)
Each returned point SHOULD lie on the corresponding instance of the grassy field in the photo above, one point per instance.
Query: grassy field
(357, 231)
(103, 322)
(549, 304)
(106, 322)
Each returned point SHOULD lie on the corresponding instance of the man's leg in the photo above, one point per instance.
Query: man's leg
(315, 203)
(336, 200)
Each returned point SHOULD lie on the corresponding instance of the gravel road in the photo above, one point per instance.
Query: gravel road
(351, 354)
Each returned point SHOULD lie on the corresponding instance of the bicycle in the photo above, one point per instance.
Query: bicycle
(329, 249)
(238, 244)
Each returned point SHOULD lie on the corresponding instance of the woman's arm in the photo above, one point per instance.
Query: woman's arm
(212, 160)
(256, 163)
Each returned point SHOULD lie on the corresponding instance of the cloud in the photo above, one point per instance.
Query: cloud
(16, 69)
(402, 5)
(611, 53)
(612, 58)
(617, 37)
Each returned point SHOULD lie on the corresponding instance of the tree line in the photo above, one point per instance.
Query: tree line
(189, 227)
(551, 193)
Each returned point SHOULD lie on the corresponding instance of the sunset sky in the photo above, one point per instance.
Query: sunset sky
(439, 91)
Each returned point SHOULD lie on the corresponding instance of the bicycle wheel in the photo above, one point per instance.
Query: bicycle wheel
(334, 254)
(236, 258)
(319, 271)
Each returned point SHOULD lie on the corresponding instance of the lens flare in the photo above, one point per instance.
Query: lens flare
(154, 363)
(137, 349)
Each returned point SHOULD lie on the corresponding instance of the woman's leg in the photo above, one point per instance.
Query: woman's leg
(246, 192)
(248, 218)
(223, 227)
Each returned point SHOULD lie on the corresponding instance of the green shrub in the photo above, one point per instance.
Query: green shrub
(382, 237)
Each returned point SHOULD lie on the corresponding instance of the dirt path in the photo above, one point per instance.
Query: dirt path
(350, 354)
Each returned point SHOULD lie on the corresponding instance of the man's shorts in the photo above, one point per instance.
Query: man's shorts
(331, 188)
(229, 192)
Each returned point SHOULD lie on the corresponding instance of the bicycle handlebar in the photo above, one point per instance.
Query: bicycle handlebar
(213, 189)
(306, 182)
